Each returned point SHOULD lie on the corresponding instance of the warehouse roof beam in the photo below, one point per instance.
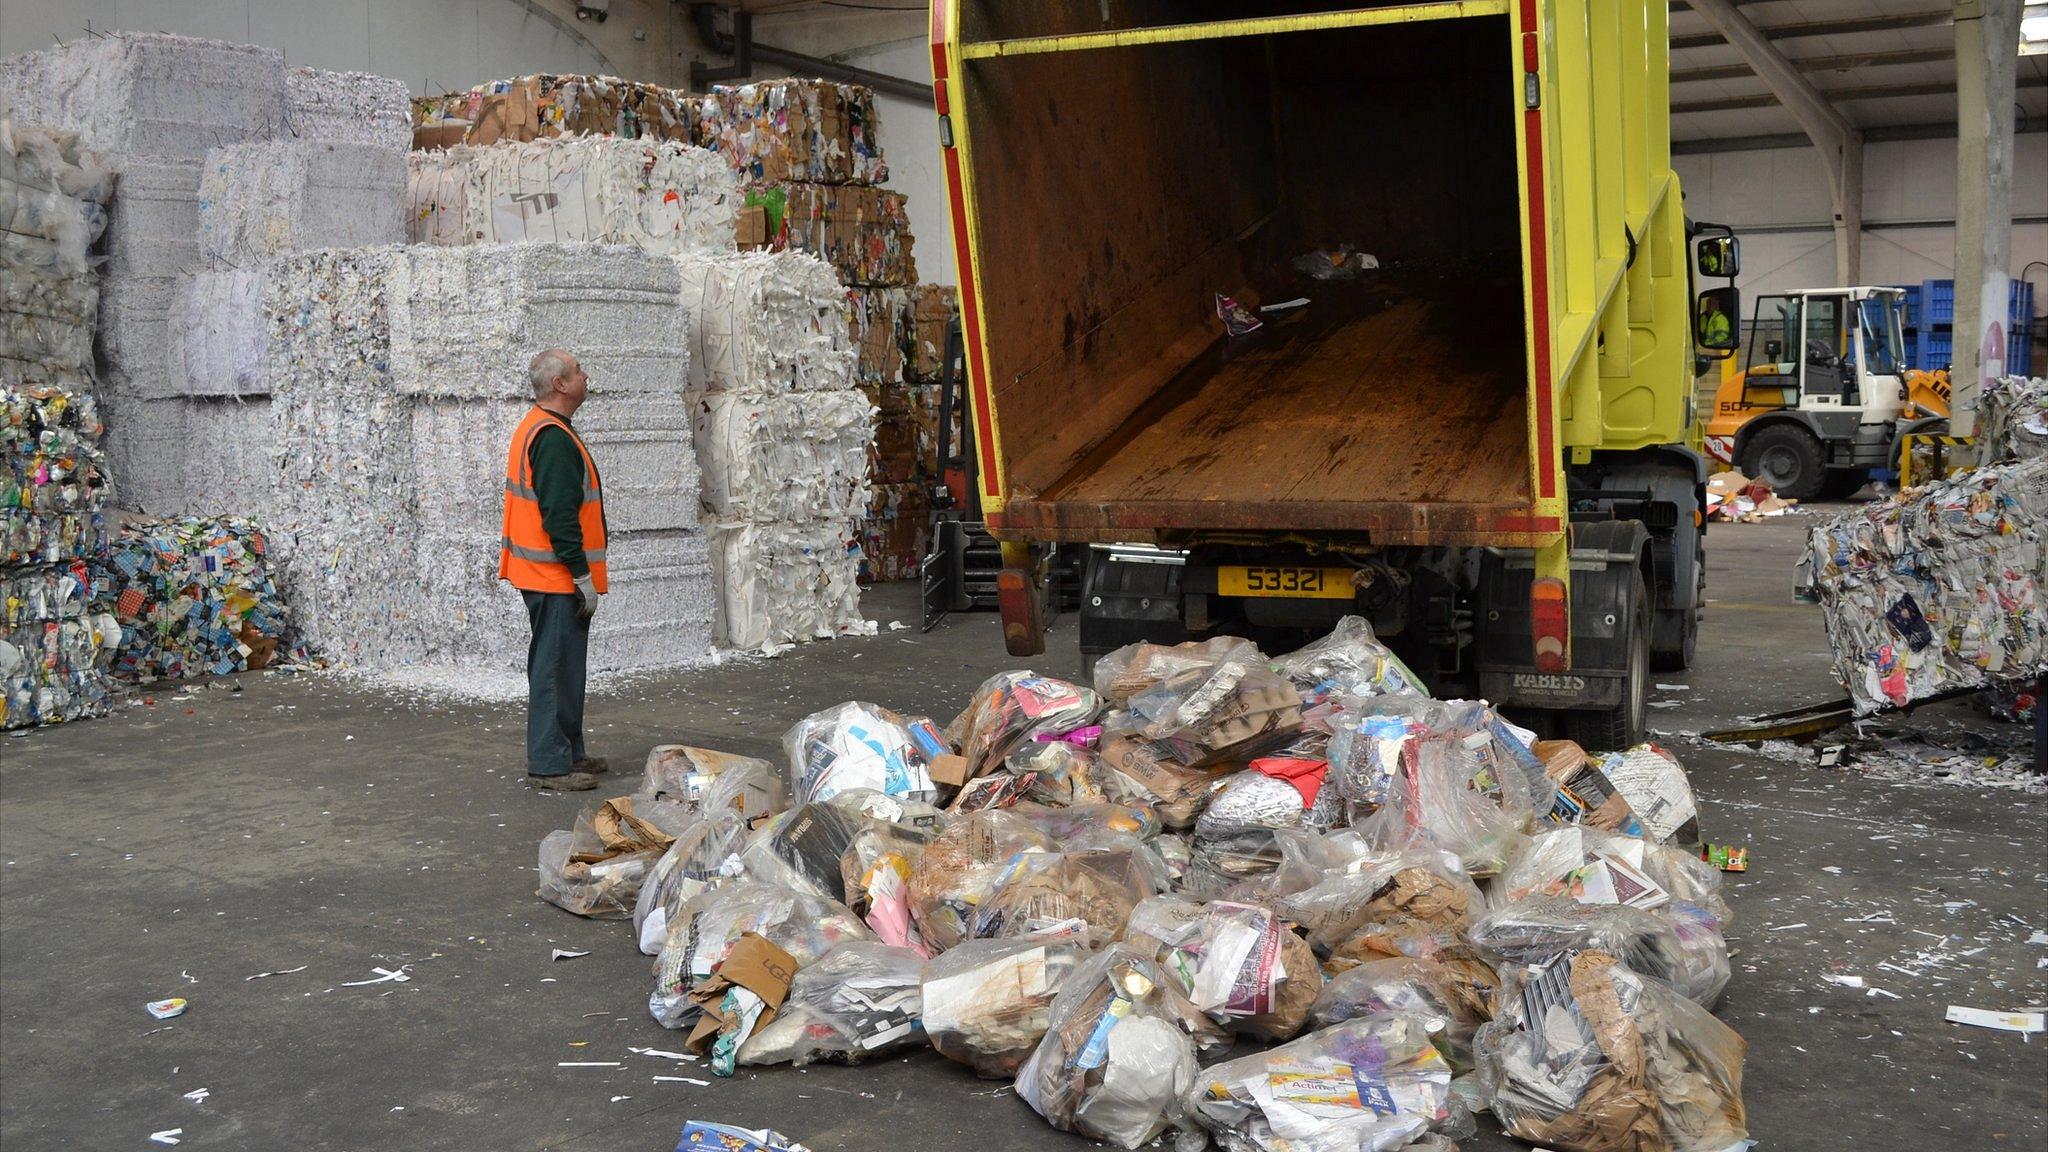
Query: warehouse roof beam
(1839, 141)
(1820, 28)
(1820, 64)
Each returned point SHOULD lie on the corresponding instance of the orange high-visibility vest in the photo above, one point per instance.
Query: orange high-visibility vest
(527, 558)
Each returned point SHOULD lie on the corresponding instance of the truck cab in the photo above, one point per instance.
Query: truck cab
(1820, 395)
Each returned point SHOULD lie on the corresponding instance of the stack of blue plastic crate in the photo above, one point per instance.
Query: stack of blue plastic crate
(1931, 321)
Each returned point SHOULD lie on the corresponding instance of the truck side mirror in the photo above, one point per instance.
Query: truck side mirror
(1714, 320)
(1774, 350)
(1719, 256)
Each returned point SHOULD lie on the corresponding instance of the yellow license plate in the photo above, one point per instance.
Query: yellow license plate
(1302, 583)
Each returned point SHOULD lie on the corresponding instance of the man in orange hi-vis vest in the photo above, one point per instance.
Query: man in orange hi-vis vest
(553, 552)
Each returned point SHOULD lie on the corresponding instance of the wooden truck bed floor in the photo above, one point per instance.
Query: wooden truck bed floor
(1356, 414)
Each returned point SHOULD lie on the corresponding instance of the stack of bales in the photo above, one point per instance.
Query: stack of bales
(780, 434)
(154, 105)
(54, 649)
(783, 438)
(401, 372)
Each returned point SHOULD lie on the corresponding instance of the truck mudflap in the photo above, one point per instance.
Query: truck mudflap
(1605, 566)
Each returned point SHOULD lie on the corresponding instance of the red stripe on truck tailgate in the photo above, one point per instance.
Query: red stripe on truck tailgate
(963, 264)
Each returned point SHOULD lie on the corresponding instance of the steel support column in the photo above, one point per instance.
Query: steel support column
(1987, 60)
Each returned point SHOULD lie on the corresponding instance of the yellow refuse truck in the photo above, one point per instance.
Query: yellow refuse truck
(1473, 433)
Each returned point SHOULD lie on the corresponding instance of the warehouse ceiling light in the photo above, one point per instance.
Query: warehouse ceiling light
(2034, 30)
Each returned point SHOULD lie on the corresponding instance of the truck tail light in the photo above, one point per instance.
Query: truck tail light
(1550, 622)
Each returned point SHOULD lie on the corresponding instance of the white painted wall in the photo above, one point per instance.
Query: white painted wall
(1777, 200)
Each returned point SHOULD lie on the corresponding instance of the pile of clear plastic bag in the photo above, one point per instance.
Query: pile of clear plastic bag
(987, 1003)
(1010, 708)
(1370, 1084)
(857, 1001)
(856, 745)
(703, 931)
(1587, 1055)
(705, 854)
(1596, 867)
(1118, 1057)
(1432, 804)
(1237, 962)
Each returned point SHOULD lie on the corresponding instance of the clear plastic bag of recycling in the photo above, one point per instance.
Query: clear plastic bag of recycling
(987, 1003)
(703, 931)
(856, 745)
(1135, 669)
(1349, 662)
(1461, 992)
(1597, 867)
(704, 855)
(857, 1001)
(1432, 804)
(961, 866)
(1237, 962)
(597, 868)
(1010, 708)
(1118, 1056)
(1420, 885)
(1368, 1084)
(1588, 1055)
(1686, 952)
(704, 781)
(1089, 894)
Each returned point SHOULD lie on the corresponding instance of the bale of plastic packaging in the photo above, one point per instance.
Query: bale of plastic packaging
(1461, 993)
(856, 745)
(960, 868)
(1239, 963)
(703, 931)
(1588, 1055)
(1088, 893)
(1393, 1087)
(1686, 952)
(1009, 709)
(857, 1001)
(987, 1003)
(1118, 1057)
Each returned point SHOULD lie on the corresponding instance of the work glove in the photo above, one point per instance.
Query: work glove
(586, 598)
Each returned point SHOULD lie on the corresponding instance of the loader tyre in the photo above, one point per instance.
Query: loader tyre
(1787, 458)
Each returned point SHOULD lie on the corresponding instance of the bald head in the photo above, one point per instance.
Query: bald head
(549, 369)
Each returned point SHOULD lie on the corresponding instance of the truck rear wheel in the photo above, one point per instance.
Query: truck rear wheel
(1786, 458)
(1622, 726)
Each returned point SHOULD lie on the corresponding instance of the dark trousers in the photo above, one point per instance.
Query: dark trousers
(554, 683)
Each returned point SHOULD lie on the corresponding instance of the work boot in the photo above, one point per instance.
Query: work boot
(595, 765)
(566, 782)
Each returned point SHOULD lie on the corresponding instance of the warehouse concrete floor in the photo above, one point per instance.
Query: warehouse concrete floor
(314, 830)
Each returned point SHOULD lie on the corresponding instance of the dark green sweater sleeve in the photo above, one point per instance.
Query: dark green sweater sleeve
(558, 483)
